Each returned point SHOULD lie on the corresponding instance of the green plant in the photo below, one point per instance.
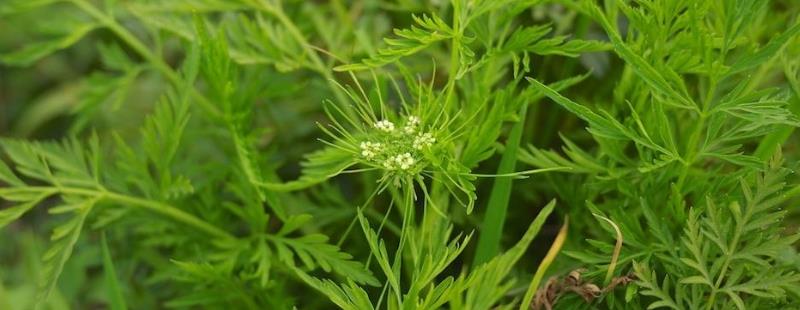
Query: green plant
(244, 153)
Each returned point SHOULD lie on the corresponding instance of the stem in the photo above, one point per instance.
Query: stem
(143, 51)
(407, 209)
(454, 56)
(154, 206)
(691, 146)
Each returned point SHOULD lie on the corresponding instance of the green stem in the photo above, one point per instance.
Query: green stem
(694, 138)
(454, 56)
(154, 206)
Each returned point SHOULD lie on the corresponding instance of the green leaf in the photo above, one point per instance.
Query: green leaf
(551, 255)
(663, 83)
(496, 209)
(35, 51)
(736, 300)
(8, 176)
(314, 250)
(64, 239)
(293, 223)
(114, 292)
(765, 53)
(695, 280)
(347, 297)
(487, 278)
(11, 214)
(427, 31)
(318, 167)
(378, 249)
(601, 126)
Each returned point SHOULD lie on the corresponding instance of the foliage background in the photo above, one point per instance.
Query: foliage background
(287, 52)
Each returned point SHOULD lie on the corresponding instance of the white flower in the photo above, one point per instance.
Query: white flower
(370, 149)
(385, 125)
(404, 161)
(411, 125)
(424, 140)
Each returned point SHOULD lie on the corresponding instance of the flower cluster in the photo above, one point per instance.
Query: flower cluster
(370, 149)
(424, 140)
(402, 161)
(385, 125)
(411, 125)
(395, 149)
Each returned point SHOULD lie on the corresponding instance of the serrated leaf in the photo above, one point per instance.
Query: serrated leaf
(8, 176)
(313, 250)
(695, 280)
(11, 214)
(33, 52)
(318, 167)
(766, 52)
(61, 250)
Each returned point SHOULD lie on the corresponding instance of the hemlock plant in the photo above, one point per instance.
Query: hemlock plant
(495, 154)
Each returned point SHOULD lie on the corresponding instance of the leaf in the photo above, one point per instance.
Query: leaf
(551, 255)
(601, 126)
(35, 51)
(378, 249)
(258, 41)
(496, 209)
(695, 280)
(21, 6)
(293, 223)
(102, 91)
(347, 297)
(114, 292)
(427, 31)
(736, 300)
(313, 250)
(664, 84)
(487, 278)
(11, 214)
(765, 53)
(8, 176)
(318, 167)
(64, 239)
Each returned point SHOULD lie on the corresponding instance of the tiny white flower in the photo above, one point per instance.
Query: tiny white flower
(370, 149)
(385, 125)
(411, 125)
(404, 161)
(367, 154)
(424, 140)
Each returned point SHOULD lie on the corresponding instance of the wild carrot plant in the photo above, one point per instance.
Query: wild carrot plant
(371, 154)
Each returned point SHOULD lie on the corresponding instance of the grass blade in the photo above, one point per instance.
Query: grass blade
(115, 298)
(494, 219)
(548, 259)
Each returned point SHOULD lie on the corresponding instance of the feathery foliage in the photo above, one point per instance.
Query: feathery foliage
(371, 154)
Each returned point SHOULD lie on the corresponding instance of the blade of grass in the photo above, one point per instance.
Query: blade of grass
(494, 219)
(115, 299)
(617, 248)
(555, 248)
